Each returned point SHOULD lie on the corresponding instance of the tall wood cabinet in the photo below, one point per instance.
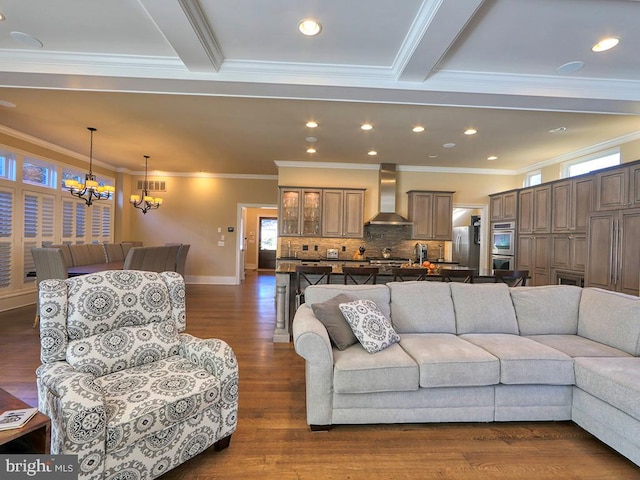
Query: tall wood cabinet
(432, 214)
(343, 213)
(613, 251)
(504, 206)
(534, 210)
(618, 188)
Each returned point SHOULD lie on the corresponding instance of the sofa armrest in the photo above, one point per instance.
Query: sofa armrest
(76, 407)
(219, 359)
(311, 339)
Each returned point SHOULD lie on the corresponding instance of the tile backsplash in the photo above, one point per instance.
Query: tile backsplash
(397, 238)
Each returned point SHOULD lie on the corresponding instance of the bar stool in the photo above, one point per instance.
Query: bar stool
(356, 275)
(513, 278)
(405, 274)
(448, 274)
(308, 275)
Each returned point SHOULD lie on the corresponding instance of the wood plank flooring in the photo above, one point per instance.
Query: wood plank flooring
(273, 441)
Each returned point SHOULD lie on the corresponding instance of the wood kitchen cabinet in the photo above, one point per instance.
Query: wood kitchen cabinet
(300, 212)
(533, 255)
(618, 188)
(569, 252)
(431, 214)
(613, 251)
(504, 206)
(534, 210)
(572, 201)
(343, 213)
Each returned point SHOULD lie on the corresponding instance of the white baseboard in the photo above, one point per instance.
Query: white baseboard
(209, 280)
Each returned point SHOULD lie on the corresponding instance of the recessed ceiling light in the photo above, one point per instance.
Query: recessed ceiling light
(372, 153)
(570, 67)
(311, 150)
(312, 124)
(2, 17)
(366, 126)
(311, 139)
(418, 129)
(433, 156)
(492, 157)
(605, 44)
(26, 39)
(449, 145)
(6, 103)
(309, 27)
(558, 130)
(470, 131)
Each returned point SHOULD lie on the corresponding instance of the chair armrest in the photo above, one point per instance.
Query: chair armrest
(219, 359)
(310, 338)
(76, 407)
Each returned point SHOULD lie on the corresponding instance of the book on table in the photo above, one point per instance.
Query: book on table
(16, 418)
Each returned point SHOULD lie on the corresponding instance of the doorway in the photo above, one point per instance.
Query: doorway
(268, 243)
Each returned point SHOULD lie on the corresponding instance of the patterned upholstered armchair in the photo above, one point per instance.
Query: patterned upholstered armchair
(126, 391)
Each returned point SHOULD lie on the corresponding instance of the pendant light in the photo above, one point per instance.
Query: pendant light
(145, 202)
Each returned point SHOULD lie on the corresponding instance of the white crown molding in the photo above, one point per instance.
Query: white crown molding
(583, 152)
(401, 168)
(233, 176)
(51, 146)
(331, 165)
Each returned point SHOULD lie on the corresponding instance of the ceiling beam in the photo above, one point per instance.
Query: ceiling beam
(434, 31)
(186, 28)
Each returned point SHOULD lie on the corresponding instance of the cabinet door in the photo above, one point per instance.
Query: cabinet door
(612, 189)
(526, 252)
(311, 212)
(420, 209)
(353, 222)
(525, 211)
(578, 253)
(442, 219)
(496, 205)
(600, 255)
(582, 202)
(627, 273)
(561, 206)
(290, 207)
(332, 213)
(542, 209)
(634, 188)
(561, 252)
(509, 206)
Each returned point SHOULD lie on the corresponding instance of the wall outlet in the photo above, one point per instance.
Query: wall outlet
(315, 247)
(221, 244)
(344, 249)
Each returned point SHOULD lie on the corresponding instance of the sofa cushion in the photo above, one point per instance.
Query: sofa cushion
(577, 346)
(550, 309)
(613, 380)
(376, 293)
(610, 318)
(372, 329)
(422, 307)
(331, 317)
(150, 398)
(524, 361)
(483, 308)
(446, 360)
(357, 371)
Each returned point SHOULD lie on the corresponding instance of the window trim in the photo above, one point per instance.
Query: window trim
(566, 166)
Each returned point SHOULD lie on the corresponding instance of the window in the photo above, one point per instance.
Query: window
(38, 226)
(589, 164)
(533, 178)
(100, 223)
(7, 165)
(37, 172)
(6, 236)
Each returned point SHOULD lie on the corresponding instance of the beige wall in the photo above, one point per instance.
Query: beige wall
(192, 211)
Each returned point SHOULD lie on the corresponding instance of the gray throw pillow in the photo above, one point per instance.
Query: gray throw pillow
(371, 327)
(331, 317)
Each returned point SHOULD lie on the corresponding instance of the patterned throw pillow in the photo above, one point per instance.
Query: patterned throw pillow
(370, 326)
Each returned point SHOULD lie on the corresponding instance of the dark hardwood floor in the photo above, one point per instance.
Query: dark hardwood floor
(273, 441)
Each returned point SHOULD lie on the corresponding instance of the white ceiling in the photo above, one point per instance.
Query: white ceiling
(226, 86)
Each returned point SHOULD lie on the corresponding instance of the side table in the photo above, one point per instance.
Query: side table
(34, 437)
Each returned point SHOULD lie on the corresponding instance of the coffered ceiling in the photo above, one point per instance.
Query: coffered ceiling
(226, 87)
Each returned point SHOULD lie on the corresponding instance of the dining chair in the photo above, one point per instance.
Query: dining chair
(181, 258)
(134, 258)
(513, 278)
(462, 275)
(405, 274)
(49, 263)
(360, 275)
(310, 275)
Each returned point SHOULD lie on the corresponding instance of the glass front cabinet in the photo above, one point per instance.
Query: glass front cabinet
(300, 212)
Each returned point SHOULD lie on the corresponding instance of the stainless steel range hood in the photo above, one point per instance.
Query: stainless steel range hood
(387, 214)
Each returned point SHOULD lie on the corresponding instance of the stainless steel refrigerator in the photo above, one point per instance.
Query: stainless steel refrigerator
(464, 249)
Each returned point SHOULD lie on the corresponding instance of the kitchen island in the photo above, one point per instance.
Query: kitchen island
(286, 286)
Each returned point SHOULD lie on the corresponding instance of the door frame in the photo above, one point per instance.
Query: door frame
(485, 254)
(240, 239)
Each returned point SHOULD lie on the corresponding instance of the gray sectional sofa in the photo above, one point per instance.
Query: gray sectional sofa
(477, 353)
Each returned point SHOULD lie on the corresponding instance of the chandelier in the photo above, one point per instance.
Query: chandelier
(145, 202)
(90, 190)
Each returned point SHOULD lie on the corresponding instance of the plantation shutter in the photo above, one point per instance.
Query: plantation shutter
(6, 236)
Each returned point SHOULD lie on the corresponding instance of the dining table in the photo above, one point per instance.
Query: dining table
(77, 270)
